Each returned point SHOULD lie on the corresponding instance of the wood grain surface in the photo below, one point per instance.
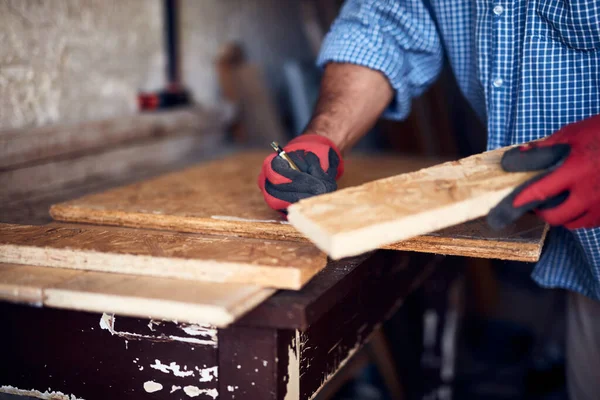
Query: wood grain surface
(216, 197)
(358, 219)
(224, 259)
(221, 197)
(218, 304)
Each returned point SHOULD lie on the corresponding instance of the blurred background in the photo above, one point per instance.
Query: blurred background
(70, 62)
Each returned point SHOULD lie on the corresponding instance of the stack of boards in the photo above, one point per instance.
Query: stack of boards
(201, 246)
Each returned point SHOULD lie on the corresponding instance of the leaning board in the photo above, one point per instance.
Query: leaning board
(221, 197)
(378, 213)
(217, 304)
(223, 259)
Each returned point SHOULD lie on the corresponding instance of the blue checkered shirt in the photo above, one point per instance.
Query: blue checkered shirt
(526, 67)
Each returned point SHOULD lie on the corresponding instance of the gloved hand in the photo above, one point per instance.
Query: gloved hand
(319, 161)
(567, 192)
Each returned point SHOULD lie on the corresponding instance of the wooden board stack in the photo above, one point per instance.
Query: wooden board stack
(220, 250)
(221, 198)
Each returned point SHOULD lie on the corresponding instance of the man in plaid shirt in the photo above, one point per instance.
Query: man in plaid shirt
(531, 70)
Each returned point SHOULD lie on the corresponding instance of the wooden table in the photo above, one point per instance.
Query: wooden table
(289, 347)
(292, 346)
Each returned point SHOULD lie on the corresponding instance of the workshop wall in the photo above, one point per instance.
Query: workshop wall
(270, 32)
(70, 61)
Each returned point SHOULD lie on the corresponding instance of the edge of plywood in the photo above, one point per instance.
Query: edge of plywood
(358, 241)
(266, 229)
(424, 243)
(200, 270)
(479, 248)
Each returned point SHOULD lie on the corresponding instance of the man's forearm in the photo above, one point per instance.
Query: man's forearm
(350, 101)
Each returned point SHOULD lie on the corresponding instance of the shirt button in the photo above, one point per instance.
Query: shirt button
(498, 10)
(498, 82)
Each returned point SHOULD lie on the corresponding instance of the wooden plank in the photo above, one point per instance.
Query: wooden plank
(192, 257)
(22, 182)
(159, 298)
(137, 296)
(216, 197)
(25, 284)
(221, 197)
(26, 146)
(379, 213)
(521, 241)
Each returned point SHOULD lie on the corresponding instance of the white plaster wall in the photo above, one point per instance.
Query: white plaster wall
(270, 31)
(73, 60)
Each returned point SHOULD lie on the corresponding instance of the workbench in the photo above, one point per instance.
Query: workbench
(289, 347)
(292, 346)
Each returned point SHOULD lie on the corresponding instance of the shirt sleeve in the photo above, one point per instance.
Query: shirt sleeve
(397, 38)
(589, 240)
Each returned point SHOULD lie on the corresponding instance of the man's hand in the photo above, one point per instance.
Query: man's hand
(319, 161)
(567, 193)
(350, 100)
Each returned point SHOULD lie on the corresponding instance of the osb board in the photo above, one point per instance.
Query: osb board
(215, 197)
(221, 197)
(218, 304)
(378, 213)
(277, 264)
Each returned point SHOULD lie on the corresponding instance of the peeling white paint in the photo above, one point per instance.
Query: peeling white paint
(207, 374)
(211, 342)
(293, 370)
(206, 331)
(265, 363)
(238, 219)
(152, 323)
(194, 391)
(151, 386)
(48, 394)
(107, 322)
(230, 388)
(341, 364)
(175, 388)
(172, 367)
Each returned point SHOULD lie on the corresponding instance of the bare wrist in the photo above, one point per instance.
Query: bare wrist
(333, 132)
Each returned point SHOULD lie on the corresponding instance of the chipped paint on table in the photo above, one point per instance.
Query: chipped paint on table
(48, 394)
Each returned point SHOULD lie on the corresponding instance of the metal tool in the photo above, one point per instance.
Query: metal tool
(283, 155)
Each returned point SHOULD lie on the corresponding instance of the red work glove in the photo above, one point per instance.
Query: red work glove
(567, 193)
(319, 161)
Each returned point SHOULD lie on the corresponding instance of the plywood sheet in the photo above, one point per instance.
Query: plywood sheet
(216, 197)
(277, 264)
(221, 197)
(379, 213)
(137, 296)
